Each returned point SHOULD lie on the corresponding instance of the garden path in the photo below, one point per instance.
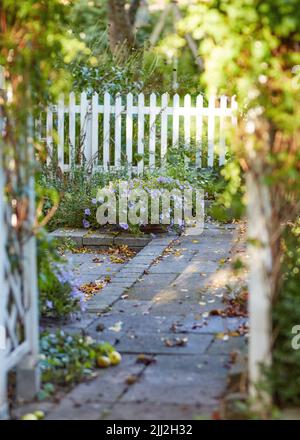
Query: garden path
(170, 315)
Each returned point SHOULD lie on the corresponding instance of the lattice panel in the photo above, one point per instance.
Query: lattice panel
(15, 310)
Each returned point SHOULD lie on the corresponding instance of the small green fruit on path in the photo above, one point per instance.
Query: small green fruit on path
(39, 414)
(115, 357)
(29, 417)
(103, 361)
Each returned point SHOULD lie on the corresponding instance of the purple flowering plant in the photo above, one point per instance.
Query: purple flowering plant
(59, 293)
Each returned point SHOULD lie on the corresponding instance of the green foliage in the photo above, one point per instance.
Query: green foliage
(66, 359)
(229, 202)
(58, 296)
(79, 188)
(284, 375)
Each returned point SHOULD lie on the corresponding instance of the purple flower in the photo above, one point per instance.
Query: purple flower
(94, 201)
(49, 304)
(85, 223)
(124, 226)
(87, 211)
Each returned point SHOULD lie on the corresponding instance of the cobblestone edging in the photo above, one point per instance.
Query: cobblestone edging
(129, 274)
(99, 240)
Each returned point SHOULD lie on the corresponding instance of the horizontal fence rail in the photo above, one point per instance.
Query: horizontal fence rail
(111, 132)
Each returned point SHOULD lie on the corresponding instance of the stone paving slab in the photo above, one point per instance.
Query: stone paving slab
(180, 380)
(157, 411)
(153, 343)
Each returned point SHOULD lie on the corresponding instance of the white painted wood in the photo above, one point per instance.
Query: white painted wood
(260, 264)
(164, 127)
(83, 125)
(199, 127)
(60, 131)
(18, 298)
(118, 128)
(72, 145)
(187, 124)
(94, 140)
(49, 134)
(89, 122)
(152, 135)
(129, 125)
(141, 122)
(106, 131)
(211, 131)
(175, 126)
(222, 146)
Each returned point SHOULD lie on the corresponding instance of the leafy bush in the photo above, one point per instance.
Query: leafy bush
(284, 374)
(78, 189)
(66, 359)
(58, 295)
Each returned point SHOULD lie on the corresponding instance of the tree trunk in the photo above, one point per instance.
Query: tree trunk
(121, 36)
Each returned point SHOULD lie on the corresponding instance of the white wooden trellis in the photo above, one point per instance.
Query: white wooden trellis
(19, 346)
(111, 131)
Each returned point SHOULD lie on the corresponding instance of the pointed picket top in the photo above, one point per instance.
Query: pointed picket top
(212, 101)
(106, 97)
(129, 96)
(71, 98)
(141, 99)
(199, 101)
(187, 100)
(176, 100)
(164, 99)
(152, 96)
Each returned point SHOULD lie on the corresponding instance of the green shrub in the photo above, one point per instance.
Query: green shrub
(284, 374)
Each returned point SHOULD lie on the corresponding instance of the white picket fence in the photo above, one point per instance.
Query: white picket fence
(112, 131)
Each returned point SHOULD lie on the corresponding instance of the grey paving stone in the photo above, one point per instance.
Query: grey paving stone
(150, 286)
(131, 240)
(219, 346)
(157, 411)
(180, 380)
(98, 239)
(99, 268)
(153, 343)
(76, 235)
(73, 410)
(165, 267)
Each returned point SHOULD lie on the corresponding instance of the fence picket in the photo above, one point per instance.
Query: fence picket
(83, 125)
(106, 130)
(199, 126)
(49, 134)
(164, 127)
(141, 121)
(152, 122)
(222, 147)
(175, 127)
(72, 128)
(118, 127)
(60, 132)
(94, 140)
(129, 124)
(211, 131)
(187, 124)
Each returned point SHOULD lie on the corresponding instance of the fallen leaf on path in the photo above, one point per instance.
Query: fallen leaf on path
(97, 260)
(179, 342)
(132, 379)
(143, 359)
(117, 327)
